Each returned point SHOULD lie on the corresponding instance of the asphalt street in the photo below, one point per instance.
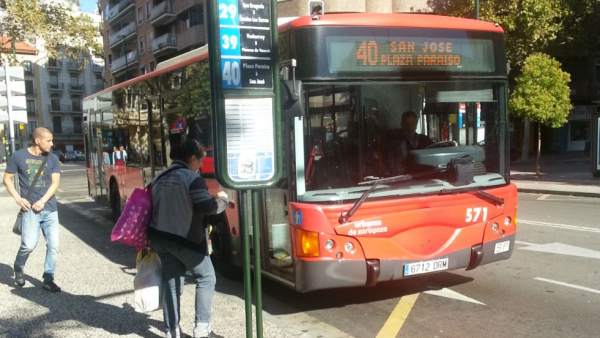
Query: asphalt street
(549, 288)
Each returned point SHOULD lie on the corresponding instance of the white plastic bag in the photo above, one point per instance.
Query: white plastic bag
(147, 282)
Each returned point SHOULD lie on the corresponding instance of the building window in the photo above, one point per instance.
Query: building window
(29, 87)
(195, 17)
(148, 10)
(141, 14)
(74, 79)
(52, 62)
(31, 126)
(76, 103)
(53, 78)
(57, 124)
(580, 130)
(152, 66)
(30, 107)
(143, 70)
(98, 76)
(28, 68)
(55, 102)
(141, 46)
(77, 125)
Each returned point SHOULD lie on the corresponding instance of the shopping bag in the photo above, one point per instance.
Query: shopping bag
(132, 226)
(147, 282)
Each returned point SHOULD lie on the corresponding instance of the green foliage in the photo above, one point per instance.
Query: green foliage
(192, 99)
(542, 91)
(579, 36)
(530, 25)
(62, 32)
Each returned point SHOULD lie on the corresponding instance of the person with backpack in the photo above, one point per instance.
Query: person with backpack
(177, 232)
(38, 171)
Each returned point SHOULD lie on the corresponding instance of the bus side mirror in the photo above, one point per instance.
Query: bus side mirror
(291, 98)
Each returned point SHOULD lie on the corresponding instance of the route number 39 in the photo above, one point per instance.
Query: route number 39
(475, 215)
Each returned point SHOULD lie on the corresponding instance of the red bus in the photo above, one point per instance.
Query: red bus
(396, 148)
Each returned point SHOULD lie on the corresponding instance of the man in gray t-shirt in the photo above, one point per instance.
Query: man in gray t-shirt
(37, 203)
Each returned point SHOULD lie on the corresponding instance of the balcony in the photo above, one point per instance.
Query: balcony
(124, 62)
(118, 10)
(53, 64)
(122, 35)
(164, 43)
(55, 87)
(162, 14)
(76, 88)
(59, 108)
(96, 68)
(74, 65)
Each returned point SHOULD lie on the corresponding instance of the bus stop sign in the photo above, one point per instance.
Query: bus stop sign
(244, 83)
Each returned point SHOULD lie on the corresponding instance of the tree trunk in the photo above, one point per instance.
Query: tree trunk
(525, 145)
(539, 150)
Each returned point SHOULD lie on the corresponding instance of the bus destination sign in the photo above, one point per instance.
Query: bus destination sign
(389, 54)
(245, 44)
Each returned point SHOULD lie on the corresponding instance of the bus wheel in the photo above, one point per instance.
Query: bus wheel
(115, 200)
(220, 239)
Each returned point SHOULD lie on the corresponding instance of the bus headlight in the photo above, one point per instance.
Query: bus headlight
(308, 243)
(349, 247)
(507, 221)
(495, 227)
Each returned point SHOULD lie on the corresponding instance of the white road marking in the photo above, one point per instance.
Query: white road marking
(524, 243)
(562, 249)
(447, 293)
(560, 226)
(578, 287)
(543, 197)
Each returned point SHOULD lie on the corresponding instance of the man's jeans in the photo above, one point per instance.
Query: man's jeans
(47, 222)
(175, 261)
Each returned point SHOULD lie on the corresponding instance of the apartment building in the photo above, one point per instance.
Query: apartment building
(140, 33)
(17, 95)
(302, 7)
(54, 90)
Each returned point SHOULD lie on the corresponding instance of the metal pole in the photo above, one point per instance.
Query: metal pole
(244, 214)
(256, 222)
(11, 123)
(477, 9)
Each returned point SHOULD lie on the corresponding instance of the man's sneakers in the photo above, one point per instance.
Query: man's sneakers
(19, 279)
(49, 285)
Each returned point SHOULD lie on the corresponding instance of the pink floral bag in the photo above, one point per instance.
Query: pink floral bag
(132, 226)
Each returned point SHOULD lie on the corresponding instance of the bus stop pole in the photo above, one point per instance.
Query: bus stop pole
(244, 215)
(256, 222)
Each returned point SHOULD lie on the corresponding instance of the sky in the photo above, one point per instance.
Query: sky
(89, 6)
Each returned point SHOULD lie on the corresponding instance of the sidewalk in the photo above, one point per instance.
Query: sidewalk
(97, 281)
(564, 174)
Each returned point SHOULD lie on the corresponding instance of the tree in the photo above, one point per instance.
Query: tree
(530, 25)
(542, 94)
(63, 33)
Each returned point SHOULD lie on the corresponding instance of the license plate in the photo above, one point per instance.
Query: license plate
(501, 247)
(425, 266)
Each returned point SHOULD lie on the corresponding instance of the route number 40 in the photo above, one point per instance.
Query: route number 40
(231, 73)
(475, 215)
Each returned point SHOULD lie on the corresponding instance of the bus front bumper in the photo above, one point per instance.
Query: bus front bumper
(314, 275)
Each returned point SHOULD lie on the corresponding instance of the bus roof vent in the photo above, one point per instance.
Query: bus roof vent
(181, 58)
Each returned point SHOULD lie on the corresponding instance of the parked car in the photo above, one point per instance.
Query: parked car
(59, 154)
(74, 155)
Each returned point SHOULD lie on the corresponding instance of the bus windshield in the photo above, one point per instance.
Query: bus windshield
(353, 133)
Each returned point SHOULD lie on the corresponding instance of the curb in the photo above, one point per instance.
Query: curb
(559, 192)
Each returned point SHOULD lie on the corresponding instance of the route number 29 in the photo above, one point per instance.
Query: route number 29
(475, 215)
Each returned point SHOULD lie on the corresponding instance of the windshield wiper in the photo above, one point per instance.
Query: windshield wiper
(345, 216)
(484, 195)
